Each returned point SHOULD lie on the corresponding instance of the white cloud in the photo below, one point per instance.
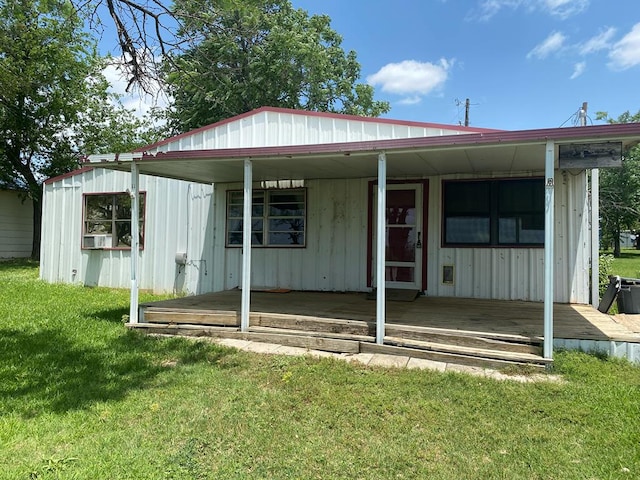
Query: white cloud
(602, 41)
(412, 100)
(626, 53)
(490, 8)
(549, 45)
(557, 8)
(564, 8)
(411, 78)
(578, 69)
(139, 102)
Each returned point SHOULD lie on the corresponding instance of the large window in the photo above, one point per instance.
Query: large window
(278, 218)
(505, 212)
(107, 220)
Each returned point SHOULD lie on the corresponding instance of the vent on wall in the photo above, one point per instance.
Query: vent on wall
(97, 241)
(447, 274)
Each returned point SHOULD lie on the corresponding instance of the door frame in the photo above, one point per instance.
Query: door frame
(425, 226)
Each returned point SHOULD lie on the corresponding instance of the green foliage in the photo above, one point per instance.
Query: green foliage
(620, 191)
(44, 62)
(83, 398)
(54, 103)
(606, 269)
(249, 54)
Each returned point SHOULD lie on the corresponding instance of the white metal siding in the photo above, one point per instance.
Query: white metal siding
(178, 218)
(517, 273)
(266, 128)
(16, 225)
(335, 256)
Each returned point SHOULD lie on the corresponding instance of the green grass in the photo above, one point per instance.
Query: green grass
(83, 398)
(628, 264)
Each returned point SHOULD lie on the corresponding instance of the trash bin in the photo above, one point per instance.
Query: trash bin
(629, 295)
(610, 294)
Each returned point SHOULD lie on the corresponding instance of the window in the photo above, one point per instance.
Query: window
(278, 218)
(493, 212)
(107, 220)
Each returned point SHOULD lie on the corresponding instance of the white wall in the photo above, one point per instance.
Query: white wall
(178, 218)
(16, 225)
(335, 256)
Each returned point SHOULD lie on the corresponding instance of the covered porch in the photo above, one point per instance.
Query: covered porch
(490, 333)
(380, 325)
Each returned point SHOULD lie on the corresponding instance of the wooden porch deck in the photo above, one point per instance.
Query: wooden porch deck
(578, 322)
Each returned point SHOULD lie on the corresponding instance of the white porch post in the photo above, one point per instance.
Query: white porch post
(595, 237)
(246, 246)
(135, 241)
(380, 248)
(548, 248)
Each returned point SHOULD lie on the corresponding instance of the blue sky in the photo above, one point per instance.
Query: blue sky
(522, 63)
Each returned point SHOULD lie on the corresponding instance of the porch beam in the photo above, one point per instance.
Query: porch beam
(246, 246)
(595, 237)
(549, 193)
(380, 248)
(134, 193)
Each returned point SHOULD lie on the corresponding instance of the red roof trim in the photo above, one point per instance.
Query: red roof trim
(67, 175)
(339, 116)
(496, 138)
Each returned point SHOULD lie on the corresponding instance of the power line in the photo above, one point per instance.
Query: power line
(467, 105)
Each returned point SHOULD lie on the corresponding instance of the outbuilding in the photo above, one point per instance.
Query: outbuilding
(16, 224)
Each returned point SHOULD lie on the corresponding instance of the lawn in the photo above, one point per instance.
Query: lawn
(81, 397)
(628, 264)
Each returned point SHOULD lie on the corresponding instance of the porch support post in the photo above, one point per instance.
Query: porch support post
(246, 246)
(595, 237)
(380, 248)
(548, 248)
(135, 241)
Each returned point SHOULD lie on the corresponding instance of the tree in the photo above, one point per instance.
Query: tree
(53, 98)
(620, 190)
(252, 53)
(145, 32)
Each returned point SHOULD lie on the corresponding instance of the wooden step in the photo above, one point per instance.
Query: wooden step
(169, 316)
(303, 341)
(437, 356)
(504, 343)
(286, 331)
(183, 329)
(346, 343)
(465, 350)
(301, 324)
(312, 324)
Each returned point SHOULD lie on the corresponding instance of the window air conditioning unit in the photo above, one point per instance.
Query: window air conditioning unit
(98, 241)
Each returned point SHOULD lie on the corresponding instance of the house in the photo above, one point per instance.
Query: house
(309, 201)
(16, 224)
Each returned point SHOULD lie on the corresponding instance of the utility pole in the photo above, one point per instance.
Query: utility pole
(582, 115)
(466, 113)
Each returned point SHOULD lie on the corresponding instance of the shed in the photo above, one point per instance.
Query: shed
(16, 224)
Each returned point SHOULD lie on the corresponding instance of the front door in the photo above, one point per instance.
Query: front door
(404, 240)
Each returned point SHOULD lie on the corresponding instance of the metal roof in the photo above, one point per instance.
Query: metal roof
(486, 151)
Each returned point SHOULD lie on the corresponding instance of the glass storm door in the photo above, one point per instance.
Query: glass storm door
(403, 245)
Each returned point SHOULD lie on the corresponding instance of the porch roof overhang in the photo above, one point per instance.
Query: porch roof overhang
(501, 151)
